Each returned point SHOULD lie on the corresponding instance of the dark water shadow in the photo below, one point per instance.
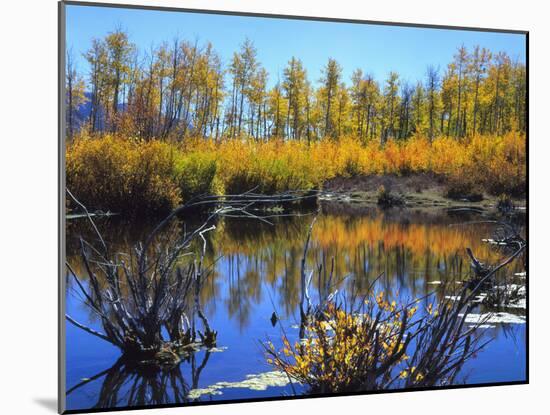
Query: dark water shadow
(128, 384)
(49, 403)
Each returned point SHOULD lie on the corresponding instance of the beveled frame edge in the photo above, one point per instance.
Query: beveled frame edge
(291, 17)
(61, 237)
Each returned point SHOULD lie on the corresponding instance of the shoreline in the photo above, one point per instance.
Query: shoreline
(417, 191)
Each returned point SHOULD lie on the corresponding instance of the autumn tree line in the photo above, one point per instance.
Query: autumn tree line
(182, 89)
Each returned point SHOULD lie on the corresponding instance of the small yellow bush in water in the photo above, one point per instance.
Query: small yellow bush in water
(345, 352)
(379, 345)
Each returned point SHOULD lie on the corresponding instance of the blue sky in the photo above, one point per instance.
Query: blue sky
(376, 49)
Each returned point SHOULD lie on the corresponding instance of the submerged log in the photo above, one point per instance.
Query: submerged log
(369, 342)
(480, 271)
(138, 296)
(508, 239)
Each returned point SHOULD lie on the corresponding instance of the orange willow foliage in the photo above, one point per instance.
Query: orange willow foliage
(158, 175)
(496, 163)
(122, 175)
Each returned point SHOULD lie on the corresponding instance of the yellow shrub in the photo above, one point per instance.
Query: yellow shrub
(344, 352)
(127, 174)
(266, 167)
(122, 175)
(195, 174)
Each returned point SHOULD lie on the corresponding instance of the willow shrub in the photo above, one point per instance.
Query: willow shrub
(497, 165)
(492, 164)
(128, 175)
(346, 352)
(195, 174)
(135, 177)
(267, 167)
(122, 175)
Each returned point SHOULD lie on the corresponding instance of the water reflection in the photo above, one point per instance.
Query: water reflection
(256, 270)
(127, 384)
(414, 251)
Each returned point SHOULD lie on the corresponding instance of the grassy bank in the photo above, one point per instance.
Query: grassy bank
(132, 176)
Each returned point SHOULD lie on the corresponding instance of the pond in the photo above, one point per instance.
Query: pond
(256, 272)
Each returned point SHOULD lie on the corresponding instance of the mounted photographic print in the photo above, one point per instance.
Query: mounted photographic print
(258, 207)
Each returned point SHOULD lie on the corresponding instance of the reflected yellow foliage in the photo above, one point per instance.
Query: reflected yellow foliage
(412, 252)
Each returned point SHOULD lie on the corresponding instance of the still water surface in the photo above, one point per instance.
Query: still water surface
(257, 272)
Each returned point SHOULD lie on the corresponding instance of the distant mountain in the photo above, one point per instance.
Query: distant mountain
(84, 111)
(82, 115)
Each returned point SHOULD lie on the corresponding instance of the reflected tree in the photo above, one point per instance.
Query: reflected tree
(128, 384)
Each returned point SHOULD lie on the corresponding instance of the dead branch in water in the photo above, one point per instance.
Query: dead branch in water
(377, 344)
(140, 294)
(508, 239)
